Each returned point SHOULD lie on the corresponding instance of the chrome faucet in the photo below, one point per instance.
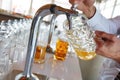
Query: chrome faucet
(40, 14)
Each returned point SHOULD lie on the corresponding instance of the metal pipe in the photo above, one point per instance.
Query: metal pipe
(52, 26)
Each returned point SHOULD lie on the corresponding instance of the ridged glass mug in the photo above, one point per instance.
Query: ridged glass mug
(81, 37)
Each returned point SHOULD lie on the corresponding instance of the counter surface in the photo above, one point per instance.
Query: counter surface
(58, 70)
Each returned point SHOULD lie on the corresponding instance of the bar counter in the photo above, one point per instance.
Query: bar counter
(54, 69)
(7, 16)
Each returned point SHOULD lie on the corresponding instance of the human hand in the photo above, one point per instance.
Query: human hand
(107, 45)
(86, 6)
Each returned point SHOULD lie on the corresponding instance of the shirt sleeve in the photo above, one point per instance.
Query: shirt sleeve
(109, 69)
(99, 22)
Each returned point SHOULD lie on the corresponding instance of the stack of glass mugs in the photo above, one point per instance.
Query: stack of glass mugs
(13, 43)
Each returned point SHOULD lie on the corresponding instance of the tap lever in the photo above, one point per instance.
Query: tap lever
(52, 8)
(69, 21)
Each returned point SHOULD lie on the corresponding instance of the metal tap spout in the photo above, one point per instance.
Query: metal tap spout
(40, 14)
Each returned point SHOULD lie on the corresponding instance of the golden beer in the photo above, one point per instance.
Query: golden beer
(84, 55)
(61, 49)
(40, 54)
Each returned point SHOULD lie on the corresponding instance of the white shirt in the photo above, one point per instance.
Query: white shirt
(110, 68)
(99, 22)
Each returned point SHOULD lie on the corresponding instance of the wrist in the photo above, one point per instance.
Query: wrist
(117, 59)
(89, 12)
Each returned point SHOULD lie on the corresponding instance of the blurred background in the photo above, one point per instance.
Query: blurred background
(10, 9)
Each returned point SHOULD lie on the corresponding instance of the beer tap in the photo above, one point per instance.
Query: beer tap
(40, 14)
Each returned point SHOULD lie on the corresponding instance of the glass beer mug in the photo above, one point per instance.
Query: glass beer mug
(81, 37)
(61, 48)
